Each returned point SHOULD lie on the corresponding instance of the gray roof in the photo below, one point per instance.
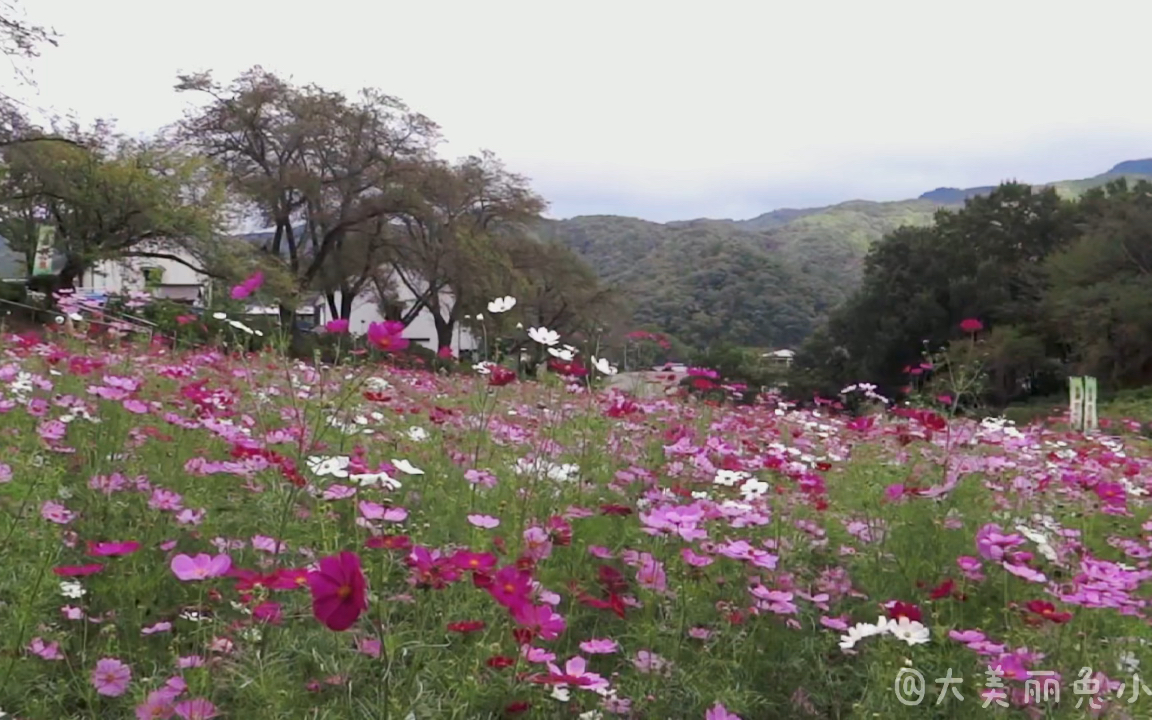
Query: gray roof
(12, 263)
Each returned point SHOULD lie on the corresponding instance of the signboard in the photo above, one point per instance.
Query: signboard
(1082, 403)
(45, 247)
(1090, 421)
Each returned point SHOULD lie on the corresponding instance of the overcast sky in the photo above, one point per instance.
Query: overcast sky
(666, 110)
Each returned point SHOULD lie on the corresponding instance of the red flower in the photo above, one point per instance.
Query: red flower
(499, 376)
(1047, 611)
(942, 590)
(900, 609)
(971, 325)
(388, 542)
(500, 661)
(338, 591)
(466, 626)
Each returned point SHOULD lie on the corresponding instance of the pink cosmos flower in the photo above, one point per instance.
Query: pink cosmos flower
(719, 712)
(158, 704)
(576, 673)
(201, 567)
(111, 677)
(196, 709)
(486, 522)
(537, 543)
(56, 513)
(47, 651)
(599, 646)
(337, 326)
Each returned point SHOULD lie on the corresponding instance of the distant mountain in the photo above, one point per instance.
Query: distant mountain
(766, 281)
(955, 196)
(1132, 167)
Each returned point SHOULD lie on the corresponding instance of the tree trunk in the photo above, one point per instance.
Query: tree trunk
(347, 296)
(444, 330)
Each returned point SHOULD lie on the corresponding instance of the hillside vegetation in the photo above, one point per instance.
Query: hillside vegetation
(1001, 300)
(764, 282)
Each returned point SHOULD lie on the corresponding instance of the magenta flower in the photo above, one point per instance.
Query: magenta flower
(112, 549)
(111, 677)
(387, 336)
(201, 567)
(541, 619)
(249, 286)
(339, 592)
(337, 326)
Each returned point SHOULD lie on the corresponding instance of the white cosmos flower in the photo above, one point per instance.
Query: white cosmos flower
(603, 366)
(406, 467)
(72, 589)
(728, 478)
(220, 316)
(544, 336)
(753, 489)
(240, 326)
(502, 304)
(336, 466)
(859, 631)
(417, 434)
(562, 353)
(382, 479)
(910, 631)
(377, 384)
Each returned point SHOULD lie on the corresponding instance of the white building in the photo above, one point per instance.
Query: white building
(163, 277)
(780, 357)
(421, 331)
(167, 278)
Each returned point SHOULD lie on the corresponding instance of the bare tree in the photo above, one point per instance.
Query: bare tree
(20, 39)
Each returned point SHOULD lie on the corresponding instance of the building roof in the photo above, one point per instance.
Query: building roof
(12, 264)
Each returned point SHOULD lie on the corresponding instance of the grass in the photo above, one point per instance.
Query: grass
(536, 550)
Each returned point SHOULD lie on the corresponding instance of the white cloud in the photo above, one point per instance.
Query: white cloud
(684, 106)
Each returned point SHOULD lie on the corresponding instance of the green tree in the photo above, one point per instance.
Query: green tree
(1101, 288)
(110, 197)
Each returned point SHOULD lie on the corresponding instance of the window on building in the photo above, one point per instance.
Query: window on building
(153, 276)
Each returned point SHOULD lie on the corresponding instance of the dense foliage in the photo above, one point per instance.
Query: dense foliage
(1056, 286)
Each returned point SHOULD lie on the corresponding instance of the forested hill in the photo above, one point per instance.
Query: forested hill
(762, 282)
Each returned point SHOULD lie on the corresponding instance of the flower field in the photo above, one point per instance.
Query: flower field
(196, 534)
